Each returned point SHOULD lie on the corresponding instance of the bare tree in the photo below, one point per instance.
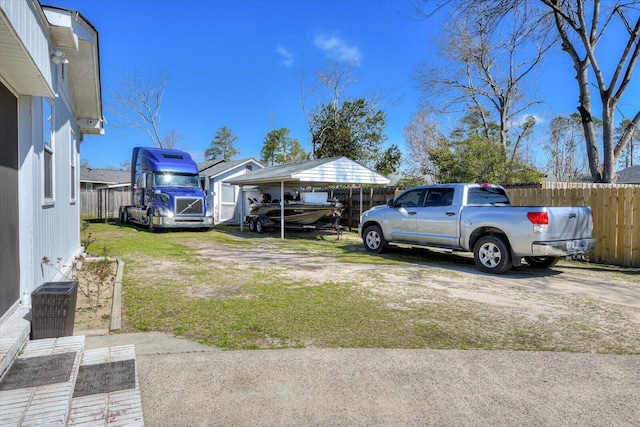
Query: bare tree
(488, 63)
(565, 150)
(138, 98)
(171, 138)
(580, 31)
(421, 135)
(333, 80)
(581, 25)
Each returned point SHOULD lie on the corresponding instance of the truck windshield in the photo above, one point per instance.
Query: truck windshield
(176, 180)
(487, 196)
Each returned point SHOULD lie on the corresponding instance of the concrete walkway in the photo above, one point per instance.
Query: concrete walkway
(186, 384)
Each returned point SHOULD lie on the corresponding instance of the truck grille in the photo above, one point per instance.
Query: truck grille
(189, 206)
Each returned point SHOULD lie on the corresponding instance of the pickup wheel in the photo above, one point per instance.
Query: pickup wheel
(542, 261)
(374, 240)
(252, 225)
(492, 254)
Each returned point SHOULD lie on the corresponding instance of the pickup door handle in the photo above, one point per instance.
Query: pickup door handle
(412, 212)
(451, 213)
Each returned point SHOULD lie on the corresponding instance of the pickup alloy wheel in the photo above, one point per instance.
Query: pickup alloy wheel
(374, 240)
(492, 254)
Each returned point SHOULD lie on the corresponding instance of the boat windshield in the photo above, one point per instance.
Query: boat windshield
(176, 180)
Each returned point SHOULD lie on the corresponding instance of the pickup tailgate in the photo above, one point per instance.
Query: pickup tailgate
(566, 223)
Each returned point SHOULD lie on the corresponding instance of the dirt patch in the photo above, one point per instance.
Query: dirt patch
(95, 294)
(610, 293)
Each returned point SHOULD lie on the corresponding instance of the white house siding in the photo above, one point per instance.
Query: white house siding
(226, 212)
(47, 228)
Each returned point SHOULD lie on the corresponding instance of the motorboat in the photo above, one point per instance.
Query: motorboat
(306, 208)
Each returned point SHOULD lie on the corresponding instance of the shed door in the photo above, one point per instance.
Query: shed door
(9, 238)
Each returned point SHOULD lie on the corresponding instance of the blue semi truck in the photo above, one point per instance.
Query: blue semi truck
(165, 191)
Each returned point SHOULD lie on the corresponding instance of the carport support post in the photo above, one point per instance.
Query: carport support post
(282, 209)
(360, 217)
(241, 196)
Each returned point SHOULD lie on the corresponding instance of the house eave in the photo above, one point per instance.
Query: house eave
(72, 33)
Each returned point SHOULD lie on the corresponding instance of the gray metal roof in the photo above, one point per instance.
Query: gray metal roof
(629, 175)
(213, 168)
(104, 176)
(333, 170)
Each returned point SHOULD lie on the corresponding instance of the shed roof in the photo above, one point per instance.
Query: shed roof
(328, 171)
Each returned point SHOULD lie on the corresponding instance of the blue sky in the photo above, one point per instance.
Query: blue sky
(236, 64)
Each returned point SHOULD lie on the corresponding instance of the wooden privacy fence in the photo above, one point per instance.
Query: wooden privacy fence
(103, 204)
(616, 215)
(350, 198)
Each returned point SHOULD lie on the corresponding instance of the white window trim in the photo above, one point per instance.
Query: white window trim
(73, 170)
(47, 201)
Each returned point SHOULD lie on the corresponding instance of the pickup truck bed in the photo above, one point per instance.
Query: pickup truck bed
(479, 218)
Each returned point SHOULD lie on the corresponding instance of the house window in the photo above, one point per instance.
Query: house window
(72, 163)
(228, 193)
(249, 168)
(47, 138)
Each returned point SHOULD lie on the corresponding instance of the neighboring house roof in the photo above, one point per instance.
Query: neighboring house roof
(208, 164)
(629, 175)
(333, 170)
(213, 168)
(104, 176)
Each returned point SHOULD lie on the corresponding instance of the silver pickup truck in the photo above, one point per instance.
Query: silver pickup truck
(479, 218)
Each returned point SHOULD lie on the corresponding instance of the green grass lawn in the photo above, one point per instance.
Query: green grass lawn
(170, 286)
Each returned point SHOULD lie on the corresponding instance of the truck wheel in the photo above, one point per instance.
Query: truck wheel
(374, 240)
(150, 225)
(252, 225)
(492, 254)
(542, 261)
(260, 228)
(123, 216)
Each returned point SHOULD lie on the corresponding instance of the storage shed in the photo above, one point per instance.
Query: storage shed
(314, 173)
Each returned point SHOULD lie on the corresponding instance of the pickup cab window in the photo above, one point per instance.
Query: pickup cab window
(439, 197)
(410, 199)
(487, 196)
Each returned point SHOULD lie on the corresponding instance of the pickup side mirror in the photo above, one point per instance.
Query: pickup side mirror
(156, 191)
(390, 203)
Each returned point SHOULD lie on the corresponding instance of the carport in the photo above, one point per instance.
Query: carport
(311, 173)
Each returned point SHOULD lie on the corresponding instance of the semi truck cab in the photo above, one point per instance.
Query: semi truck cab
(166, 191)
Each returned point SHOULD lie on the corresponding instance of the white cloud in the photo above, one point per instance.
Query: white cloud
(287, 57)
(338, 49)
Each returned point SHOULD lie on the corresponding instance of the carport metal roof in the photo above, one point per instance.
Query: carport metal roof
(328, 171)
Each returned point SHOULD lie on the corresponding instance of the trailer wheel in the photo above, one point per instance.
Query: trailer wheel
(542, 261)
(260, 228)
(492, 254)
(252, 225)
